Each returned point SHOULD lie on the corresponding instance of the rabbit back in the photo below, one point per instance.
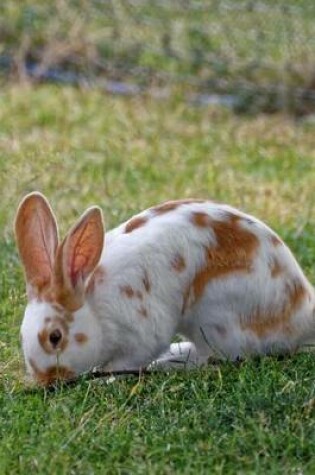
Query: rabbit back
(221, 278)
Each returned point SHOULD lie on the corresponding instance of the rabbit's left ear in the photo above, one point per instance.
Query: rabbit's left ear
(78, 256)
(37, 239)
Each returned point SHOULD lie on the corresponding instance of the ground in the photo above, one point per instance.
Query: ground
(83, 147)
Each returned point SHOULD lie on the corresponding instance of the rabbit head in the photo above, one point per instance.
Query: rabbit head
(60, 335)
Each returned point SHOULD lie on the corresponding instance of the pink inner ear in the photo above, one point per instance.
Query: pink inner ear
(83, 247)
(73, 277)
(76, 269)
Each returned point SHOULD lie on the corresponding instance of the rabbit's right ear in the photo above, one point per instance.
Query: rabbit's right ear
(37, 240)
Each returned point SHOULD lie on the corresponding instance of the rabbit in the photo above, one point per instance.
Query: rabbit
(195, 268)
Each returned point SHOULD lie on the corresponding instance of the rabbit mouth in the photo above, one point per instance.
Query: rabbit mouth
(51, 374)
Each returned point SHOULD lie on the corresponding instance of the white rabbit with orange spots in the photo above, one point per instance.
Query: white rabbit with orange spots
(218, 277)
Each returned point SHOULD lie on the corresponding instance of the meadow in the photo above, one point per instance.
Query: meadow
(83, 147)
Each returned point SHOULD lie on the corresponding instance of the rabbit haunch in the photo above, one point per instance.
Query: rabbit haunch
(207, 271)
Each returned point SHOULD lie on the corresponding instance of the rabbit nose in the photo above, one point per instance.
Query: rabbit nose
(55, 337)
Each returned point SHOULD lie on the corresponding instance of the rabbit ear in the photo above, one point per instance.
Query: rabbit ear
(78, 256)
(37, 240)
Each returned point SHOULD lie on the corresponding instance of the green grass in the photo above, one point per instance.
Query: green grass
(82, 147)
(254, 419)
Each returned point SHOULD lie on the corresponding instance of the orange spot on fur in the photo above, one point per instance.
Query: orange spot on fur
(43, 338)
(128, 291)
(171, 205)
(65, 299)
(138, 294)
(263, 322)
(234, 252)
(81, 338)
(201, 219)
(275, 268)
(143, 312)
(146, 282)
(51, 374)
(135, 223)
(178, 263)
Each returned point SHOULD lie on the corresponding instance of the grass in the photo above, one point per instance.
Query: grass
(217, 421)
(81, 147)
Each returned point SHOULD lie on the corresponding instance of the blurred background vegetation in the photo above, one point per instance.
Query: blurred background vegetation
(249, 55)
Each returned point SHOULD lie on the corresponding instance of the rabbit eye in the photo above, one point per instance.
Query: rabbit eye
(55, 337)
